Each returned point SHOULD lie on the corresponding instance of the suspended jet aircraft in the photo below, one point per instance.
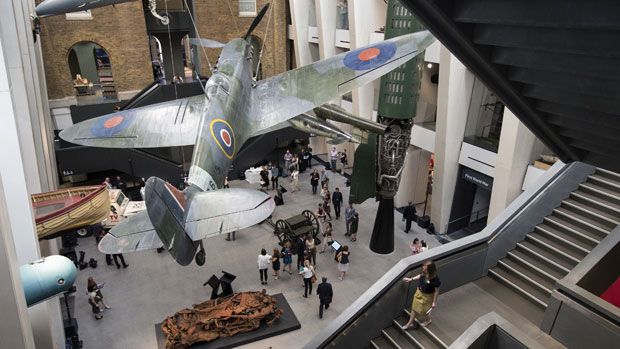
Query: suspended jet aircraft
(234, 108)
(58, 7)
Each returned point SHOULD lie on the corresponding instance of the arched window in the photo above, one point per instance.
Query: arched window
(91, 72)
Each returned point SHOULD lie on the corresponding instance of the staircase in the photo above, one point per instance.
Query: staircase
(524, 279)
(562, 240)
(397, 338)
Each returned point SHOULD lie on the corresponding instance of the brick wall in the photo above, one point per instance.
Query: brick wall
(215, 21)
(119, 29)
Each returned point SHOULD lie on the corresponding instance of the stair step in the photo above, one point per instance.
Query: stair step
(544, 256)
(605, 182)
(432, 331)
(598, 203)
(552, 248)
(563, 241)
(606, 219)
(584, 222)
(380, 343)
(588, 237)
(600, 192)
(511, 298)
(609, 174)
(527, 275)
(397, 338)
(416, 337)
(535, 266)
(526, 290)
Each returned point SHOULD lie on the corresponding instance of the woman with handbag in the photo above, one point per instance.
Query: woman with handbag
(308, 273)
(343, 261)
(327, 236)
(425, 297)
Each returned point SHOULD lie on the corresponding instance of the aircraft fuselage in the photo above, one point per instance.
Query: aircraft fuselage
(224, 124)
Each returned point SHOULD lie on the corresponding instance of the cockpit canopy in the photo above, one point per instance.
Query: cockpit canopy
(217, 84)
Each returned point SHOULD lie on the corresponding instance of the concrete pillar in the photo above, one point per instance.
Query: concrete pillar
(27, 164)
(15, 329)
(414, 178)
(454, 93)
(24, 65)
(518, 147)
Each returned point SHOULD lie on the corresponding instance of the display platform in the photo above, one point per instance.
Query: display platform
(287, 322)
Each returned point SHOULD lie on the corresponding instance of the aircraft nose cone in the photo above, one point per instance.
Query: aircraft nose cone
(53, 7)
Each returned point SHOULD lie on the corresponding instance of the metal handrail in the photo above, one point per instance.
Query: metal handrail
(406, 265)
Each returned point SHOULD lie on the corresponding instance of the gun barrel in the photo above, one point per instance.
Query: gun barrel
(310, 123)
(334, 112)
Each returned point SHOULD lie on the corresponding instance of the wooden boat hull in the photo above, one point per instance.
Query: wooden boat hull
(70, 208)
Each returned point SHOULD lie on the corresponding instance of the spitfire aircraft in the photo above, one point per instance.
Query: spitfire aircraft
(234, 108)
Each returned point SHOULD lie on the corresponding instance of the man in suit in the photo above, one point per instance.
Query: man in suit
(337, 201)
(408, 216)
(325, 292)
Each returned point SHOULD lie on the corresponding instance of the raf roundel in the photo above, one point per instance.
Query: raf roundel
(224, 137)
(111, 125)
(370, 57)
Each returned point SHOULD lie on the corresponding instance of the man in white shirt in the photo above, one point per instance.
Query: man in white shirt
(333, 158)
(263, 264)
(288, 157)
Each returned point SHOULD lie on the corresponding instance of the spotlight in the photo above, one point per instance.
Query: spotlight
(429, 66)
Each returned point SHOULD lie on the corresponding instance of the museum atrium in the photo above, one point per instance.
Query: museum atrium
(309, 174)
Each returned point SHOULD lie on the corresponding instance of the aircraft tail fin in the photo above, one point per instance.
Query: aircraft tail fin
(166, 207)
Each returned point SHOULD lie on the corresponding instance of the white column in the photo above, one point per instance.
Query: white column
(518, 147)
(454, 94)
(414, 178)
(300, 12)
(26, 162)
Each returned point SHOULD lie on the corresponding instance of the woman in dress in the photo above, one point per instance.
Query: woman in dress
(343, 261)
(327, 236)
(425, 297)
(275, 263)
(287, 257)
(327, 199)
(311, 248)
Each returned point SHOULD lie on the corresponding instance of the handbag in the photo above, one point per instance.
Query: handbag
(313, 278)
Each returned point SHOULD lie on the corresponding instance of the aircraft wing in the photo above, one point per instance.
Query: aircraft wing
(282, 97)
(168, 124)
(135, 233)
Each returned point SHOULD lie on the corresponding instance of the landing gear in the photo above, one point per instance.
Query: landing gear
(201, 256)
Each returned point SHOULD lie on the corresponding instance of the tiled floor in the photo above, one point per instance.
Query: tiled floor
(154, 286)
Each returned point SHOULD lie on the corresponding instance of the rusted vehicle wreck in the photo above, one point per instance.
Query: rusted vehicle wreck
(222, 317)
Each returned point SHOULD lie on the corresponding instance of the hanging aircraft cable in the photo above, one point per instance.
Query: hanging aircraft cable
(167, 24)
(204, 51)
(260, 55)
(232, 14)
